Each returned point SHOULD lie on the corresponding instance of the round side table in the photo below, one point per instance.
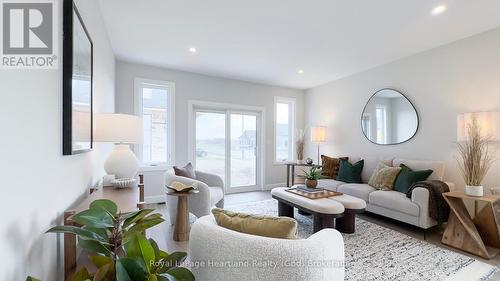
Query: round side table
(181, 227)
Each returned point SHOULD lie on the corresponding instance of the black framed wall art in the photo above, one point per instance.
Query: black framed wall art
(77, 83)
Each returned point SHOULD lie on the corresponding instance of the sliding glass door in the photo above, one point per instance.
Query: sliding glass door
(227, 143)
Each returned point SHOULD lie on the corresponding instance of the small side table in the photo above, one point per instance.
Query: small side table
(479, 235)
(181, 227)
(290, 169)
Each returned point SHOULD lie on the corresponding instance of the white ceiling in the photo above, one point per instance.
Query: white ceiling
(268, 41)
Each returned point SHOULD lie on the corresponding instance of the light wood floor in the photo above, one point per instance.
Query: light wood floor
(163, 233)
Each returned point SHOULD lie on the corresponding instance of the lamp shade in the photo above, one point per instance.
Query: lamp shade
(118, 128)
(318, 134)
(489, 122)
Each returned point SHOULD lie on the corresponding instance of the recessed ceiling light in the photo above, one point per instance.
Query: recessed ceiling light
(300, 71)
(192, 50)
(439, 10)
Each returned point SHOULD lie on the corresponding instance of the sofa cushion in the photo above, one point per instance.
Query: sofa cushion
(359, 190)
(370, 165)
(394, 200)
(274, 227)
(330, 166)
(384, 176)
(436, 166)
(408, 177)
(186, 171)
(329, 184)
(350, 173)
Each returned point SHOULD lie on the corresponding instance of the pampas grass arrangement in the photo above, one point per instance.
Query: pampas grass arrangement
(474, 157)
(300, 143)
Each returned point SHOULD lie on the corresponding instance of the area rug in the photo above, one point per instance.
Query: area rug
(377, 253)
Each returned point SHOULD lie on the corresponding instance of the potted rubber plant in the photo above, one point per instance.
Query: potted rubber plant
(120, 250)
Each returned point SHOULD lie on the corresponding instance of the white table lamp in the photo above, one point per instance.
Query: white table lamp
(318, 135)
(123, 130)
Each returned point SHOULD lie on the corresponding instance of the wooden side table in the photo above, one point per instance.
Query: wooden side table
(290, 171)
(479, 235)
(181, 227)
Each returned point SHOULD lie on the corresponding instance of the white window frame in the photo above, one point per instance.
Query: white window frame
(292, 121)
(139, 84)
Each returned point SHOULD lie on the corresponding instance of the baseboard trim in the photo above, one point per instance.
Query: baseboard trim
(273, 185)
(155, 199)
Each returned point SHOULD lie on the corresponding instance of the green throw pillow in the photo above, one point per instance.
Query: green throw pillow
(407, 177)
(350, 173)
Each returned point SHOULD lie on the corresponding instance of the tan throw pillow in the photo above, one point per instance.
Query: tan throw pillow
(273, 227)
(384, 176)
(330, 166)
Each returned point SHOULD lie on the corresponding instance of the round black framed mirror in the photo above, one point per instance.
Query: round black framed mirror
(389, 118)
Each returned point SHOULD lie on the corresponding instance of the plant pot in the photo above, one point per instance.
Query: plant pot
(311, 183)
(474, 190)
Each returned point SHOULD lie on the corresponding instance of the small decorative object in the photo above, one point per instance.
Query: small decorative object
(495, 190)
(312, 177)
(118, 247)
(180, 187)
(77, 83)
(300, 135)
(474, 158)
(318, 136)
(309, 161)
(107, 180)
(123, 183)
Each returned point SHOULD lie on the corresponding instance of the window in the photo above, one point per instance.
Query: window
(284, 128)
(154, 102)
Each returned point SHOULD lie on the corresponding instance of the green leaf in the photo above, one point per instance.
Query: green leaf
(102, 272)
(165, 278)
(130, 269)
(152, 277)
(173, 260)
(81, 232)
(155, 248)
(102, 232)
(97, 218)
(137, 216)
(181, 274)
(100, 261)
(145, 224)
(94, 246)
(81, 275)
(105, 204)
(139, 247)
(29, 278)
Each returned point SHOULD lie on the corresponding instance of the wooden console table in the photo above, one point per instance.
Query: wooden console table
(127, 200)
(479, 235)
(290, 171)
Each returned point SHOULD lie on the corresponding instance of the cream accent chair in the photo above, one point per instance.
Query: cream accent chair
(319, 257)
(211, 193)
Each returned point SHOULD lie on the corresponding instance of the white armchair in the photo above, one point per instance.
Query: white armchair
(253, 258)
(211, 193)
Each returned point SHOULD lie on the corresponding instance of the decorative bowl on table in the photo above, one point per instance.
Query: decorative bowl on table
(123, 183)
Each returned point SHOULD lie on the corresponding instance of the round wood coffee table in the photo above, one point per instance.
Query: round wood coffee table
(181, 227)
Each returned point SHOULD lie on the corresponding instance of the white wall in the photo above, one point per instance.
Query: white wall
(461, 77)
(38, 183)
(190, 86)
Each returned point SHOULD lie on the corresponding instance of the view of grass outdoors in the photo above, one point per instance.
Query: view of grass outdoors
(211, 146)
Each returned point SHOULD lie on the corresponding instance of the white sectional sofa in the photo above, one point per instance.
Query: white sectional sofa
(393, 204)
(219, 253)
